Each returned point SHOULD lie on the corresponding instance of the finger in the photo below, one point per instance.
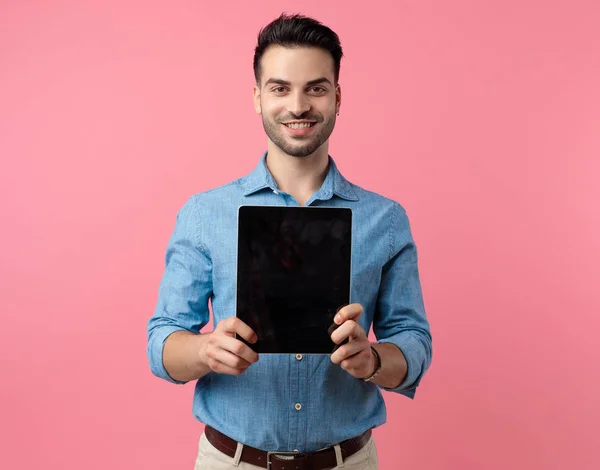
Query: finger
(222, 357)
(349, 312)
(234, 325)
(349, 329)
(237, 348)
(347, 351)
(222, 368)
(358, 364)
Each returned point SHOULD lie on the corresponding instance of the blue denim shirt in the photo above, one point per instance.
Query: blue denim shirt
(290, 402)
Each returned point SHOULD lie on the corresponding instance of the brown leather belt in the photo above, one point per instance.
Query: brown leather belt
(320, 460)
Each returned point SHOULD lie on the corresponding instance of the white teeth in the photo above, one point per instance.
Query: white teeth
(302, 125)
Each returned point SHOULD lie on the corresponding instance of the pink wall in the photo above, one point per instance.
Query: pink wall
(481, 118)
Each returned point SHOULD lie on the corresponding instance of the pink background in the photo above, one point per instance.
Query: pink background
(481, 118)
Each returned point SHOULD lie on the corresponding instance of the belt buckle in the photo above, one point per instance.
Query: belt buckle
(269, 454)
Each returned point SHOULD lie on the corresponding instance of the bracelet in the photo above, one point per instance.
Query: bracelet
(378, 369)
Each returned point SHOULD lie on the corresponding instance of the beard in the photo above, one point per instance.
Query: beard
(299, 146)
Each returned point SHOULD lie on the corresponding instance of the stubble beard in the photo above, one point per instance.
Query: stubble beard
(303, 147)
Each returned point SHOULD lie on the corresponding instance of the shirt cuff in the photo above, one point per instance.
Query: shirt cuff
(156, 346)
(415, 356)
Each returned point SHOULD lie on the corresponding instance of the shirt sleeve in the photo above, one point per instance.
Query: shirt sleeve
(184, 290)
(400, 317)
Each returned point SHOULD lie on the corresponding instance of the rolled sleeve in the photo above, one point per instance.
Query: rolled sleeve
(400, 318)
(416, 358)
(184, 291)
(156, 344)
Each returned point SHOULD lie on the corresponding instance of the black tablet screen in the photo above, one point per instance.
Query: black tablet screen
(293, 275)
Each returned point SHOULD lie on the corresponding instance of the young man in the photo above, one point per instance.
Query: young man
(317, 409)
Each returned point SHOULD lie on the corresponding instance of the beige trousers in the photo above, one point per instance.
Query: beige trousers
(210, 458)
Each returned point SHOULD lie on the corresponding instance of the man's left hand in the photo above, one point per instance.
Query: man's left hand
(356, 356)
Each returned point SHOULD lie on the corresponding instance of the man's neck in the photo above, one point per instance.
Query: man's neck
(298, 176)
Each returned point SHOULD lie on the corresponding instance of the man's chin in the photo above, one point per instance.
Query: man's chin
(299, 152)
(305, 149)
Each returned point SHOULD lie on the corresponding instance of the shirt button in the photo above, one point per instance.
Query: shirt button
(298, 406)
(299, 357)
(275, 192)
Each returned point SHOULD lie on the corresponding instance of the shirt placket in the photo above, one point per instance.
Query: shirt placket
(298, 403)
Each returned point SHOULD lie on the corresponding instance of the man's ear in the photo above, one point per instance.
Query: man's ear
(338, 98)
(257, 106)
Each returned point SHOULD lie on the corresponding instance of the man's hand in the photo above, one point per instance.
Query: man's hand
(356, 356)
(225, 354)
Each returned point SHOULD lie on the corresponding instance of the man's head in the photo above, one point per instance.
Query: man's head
(296, 66)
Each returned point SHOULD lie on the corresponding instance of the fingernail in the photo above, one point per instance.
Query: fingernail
(338, 319)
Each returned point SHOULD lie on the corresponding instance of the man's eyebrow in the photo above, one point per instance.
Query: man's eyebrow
(279, 81)
(318, 81)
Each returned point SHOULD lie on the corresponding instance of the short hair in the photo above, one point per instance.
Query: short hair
(298, 31)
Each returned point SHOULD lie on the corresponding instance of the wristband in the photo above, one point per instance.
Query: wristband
(378, 369)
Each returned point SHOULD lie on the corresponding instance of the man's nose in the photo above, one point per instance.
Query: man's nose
(299, 104)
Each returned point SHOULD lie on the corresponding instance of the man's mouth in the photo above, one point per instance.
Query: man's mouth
(299, 125)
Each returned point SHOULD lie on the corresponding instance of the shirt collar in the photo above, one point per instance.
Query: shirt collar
(335, 183)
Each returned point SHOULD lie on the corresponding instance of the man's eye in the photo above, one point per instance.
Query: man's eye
(318, 89)
(279, 89)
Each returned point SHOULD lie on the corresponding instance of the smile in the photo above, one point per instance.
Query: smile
(299, 125)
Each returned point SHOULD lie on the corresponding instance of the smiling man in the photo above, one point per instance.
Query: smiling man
(291, 411)
(297, 124)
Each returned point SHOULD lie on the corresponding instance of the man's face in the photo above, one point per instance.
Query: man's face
(297, 98)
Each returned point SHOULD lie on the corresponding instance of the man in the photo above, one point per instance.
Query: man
(318, 409)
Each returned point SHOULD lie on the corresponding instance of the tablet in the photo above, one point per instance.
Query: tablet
(293, 275)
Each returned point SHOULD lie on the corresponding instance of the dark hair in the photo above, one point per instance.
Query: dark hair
(298, 31)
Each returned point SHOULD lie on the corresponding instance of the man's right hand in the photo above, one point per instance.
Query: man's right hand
(225, 354)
